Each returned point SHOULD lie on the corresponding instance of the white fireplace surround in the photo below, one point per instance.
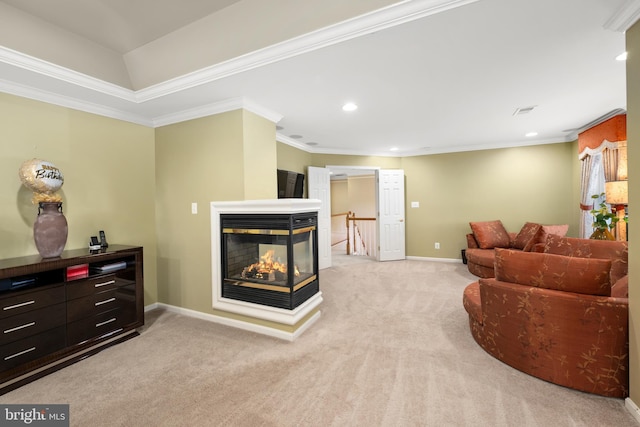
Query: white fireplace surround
(251, 310)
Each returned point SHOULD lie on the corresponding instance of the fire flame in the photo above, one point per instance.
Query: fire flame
(268, 264)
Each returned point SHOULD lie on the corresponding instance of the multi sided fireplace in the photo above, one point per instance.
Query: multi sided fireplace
(269, 258)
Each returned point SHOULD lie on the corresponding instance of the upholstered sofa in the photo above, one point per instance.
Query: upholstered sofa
(488, 235)
(560, 315)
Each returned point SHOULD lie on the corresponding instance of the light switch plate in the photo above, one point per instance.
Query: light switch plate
(415, 204)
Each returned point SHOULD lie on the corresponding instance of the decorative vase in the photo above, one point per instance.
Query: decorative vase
(602, 234)
(50, 229)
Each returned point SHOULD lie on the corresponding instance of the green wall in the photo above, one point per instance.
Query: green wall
(534, 183)
(109, 172)
(633, 138)
(260, 157)
(229, 156)
(293, 159)
(514, 185)
(322, 160)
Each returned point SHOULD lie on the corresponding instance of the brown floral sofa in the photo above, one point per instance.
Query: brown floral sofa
(560, 315)
(488, 235)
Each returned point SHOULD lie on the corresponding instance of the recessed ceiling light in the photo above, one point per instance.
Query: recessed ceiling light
(279, 128)
(349, 106)
(530, 134)
(393, 149)
(622, 57)
(295, 136)
(312, 143)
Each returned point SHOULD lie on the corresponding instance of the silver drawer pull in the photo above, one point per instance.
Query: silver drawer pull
(105, 322)
(110, 282)
(105, 301)
(17, 328)
(20, 353)
(22, 304)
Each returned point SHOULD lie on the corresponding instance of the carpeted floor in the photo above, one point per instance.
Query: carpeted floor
(392, 348)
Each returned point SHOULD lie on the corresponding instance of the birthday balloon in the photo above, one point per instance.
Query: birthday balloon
(41, 176)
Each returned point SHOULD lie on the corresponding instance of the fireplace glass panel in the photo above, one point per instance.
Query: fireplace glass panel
(274, 266)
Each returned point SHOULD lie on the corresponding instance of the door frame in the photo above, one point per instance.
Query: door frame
(361, 170)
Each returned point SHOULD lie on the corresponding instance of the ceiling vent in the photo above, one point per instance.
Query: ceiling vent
(523, 110)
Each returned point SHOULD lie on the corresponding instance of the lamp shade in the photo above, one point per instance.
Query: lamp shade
(617, 192)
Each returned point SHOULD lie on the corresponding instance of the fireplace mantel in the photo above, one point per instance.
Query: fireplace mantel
(279, 322)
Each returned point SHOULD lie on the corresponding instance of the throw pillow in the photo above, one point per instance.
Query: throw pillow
(490, 234)
(528, 232)
(543, 233)
(563, 273)
(558, 230)
(616, 251)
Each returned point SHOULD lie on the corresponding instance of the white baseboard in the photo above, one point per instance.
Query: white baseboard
(260, 329)
(632, 408)
(150, 307)
(448, 260)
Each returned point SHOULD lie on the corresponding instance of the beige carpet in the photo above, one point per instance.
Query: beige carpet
(392, 348)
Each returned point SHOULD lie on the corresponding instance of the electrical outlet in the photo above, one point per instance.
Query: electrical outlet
(194, 208)
(437, 245)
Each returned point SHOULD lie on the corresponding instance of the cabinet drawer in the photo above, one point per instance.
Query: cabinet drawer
(25, 301)
(100, 324)
(97, 303)
(31, 323)
(31, 348)
(84, 287)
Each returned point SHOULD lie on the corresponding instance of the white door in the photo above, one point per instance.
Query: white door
(390, 208)
(319, 187)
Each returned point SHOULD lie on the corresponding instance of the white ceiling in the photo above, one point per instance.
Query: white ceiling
(429, 76)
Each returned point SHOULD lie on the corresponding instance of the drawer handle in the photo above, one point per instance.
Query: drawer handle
(105, 322)
(110, 282)
(105, 301)
(20, 353)
(17, 328)
(22, 304)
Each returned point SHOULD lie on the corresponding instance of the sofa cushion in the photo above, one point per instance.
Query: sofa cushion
(490, 234)
(471, 301)
(483, 257)
(563, 273)
(616, 251)
(620, 289)
(526, 236)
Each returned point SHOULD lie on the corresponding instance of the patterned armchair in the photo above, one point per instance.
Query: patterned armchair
(559, 317)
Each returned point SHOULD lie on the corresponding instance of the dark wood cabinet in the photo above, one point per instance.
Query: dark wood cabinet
(54, 312)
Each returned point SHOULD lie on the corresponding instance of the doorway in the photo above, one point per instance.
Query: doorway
(361, 191)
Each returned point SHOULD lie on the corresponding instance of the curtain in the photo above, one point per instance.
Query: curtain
(610, 163)
(598, 166)
(592, 184)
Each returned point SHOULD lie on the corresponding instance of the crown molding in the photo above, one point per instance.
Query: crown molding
(387, 17)
(218, 108)
(390, 16)
(28, 92)
(625, 17)
(293, 143)
(39, 66)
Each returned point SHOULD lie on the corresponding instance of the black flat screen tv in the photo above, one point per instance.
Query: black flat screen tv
(290, 184)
